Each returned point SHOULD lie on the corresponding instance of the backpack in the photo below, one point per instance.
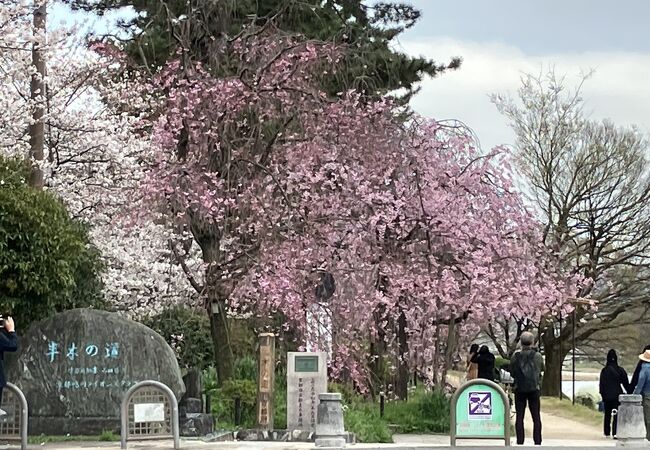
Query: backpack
(525, 372)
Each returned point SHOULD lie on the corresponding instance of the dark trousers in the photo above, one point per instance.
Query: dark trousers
(610, 419)
(646, 415)
(532, 399)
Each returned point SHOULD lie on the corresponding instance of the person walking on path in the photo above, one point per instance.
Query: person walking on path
(612, 377)
(485, 361)
(526, 368)
(643, 388)
(637, 371)
(472, 367)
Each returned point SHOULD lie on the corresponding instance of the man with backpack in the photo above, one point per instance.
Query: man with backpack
(526, 368)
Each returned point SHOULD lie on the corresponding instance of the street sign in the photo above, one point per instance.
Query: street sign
(480, 410)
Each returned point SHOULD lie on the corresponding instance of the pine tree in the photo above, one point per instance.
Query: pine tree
(371, 64)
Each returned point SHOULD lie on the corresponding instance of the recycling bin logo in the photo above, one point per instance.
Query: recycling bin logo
(480, 405)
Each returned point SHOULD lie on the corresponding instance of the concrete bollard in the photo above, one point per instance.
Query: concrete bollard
(631, 426)
(330, 430)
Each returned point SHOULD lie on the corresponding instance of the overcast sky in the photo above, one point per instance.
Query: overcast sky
(500, 39)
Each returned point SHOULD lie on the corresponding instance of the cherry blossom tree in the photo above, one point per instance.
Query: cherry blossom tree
(283, 187)
(268, 198)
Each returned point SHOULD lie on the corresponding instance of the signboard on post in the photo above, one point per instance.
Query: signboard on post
(266, 382)
(480, 410)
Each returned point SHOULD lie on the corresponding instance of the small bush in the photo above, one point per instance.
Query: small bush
(245, 368)
(587, 400)
(280, 403)
(187, 331)
(425, 412)
(363, 420)
(108, 436)
(242, 386)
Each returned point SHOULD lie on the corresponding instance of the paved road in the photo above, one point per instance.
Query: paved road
(402, 442)
(554, 427)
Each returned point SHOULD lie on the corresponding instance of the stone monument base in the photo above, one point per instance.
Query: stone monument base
(193, 421)
(274, 436)
(196, 425)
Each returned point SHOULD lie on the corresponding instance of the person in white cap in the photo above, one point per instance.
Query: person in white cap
(643, 388)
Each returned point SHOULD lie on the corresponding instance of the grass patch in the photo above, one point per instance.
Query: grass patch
(106, 436)
(424, 413)
(565, 409)
(363, 420)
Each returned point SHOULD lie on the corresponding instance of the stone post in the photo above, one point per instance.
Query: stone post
(330, 429)
(266, 381)
(631, 426)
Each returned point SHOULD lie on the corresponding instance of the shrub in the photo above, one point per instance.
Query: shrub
(195, 349)
(362, 419)
(47, 262)
(425, 412)
(242, 386)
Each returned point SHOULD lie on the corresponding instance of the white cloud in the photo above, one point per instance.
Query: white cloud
(618, 90)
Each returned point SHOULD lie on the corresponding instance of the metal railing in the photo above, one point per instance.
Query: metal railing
(163, 420)
(13, 426)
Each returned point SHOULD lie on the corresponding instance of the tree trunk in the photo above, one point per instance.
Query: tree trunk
(555, 352)
(401, 386)
(450, 348)
(377, 354)
(220, 330)
(37, 95)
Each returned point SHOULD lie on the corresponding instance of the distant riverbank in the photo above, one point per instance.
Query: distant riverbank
(581, 376)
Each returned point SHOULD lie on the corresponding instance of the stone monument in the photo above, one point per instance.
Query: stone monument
(306, 380)
(76, 366)
(330, 429)
(193, 421)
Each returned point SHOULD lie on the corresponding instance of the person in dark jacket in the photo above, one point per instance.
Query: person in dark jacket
(472, 367)
(612, 377)
(643, 389)
(485, 361)
(8, 343)
(637, 371)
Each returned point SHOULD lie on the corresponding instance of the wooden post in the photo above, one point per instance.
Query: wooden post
(266, 381)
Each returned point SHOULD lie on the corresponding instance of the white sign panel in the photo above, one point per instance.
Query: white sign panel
(148, 412)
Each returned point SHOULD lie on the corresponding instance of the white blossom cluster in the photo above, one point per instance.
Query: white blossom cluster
(93, 161)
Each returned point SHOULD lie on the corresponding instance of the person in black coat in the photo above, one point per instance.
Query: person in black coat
(485, 361)
(8, 343)
(637, 371)
(612, 377)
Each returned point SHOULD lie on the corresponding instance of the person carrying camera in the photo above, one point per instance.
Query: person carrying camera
(8, 343)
